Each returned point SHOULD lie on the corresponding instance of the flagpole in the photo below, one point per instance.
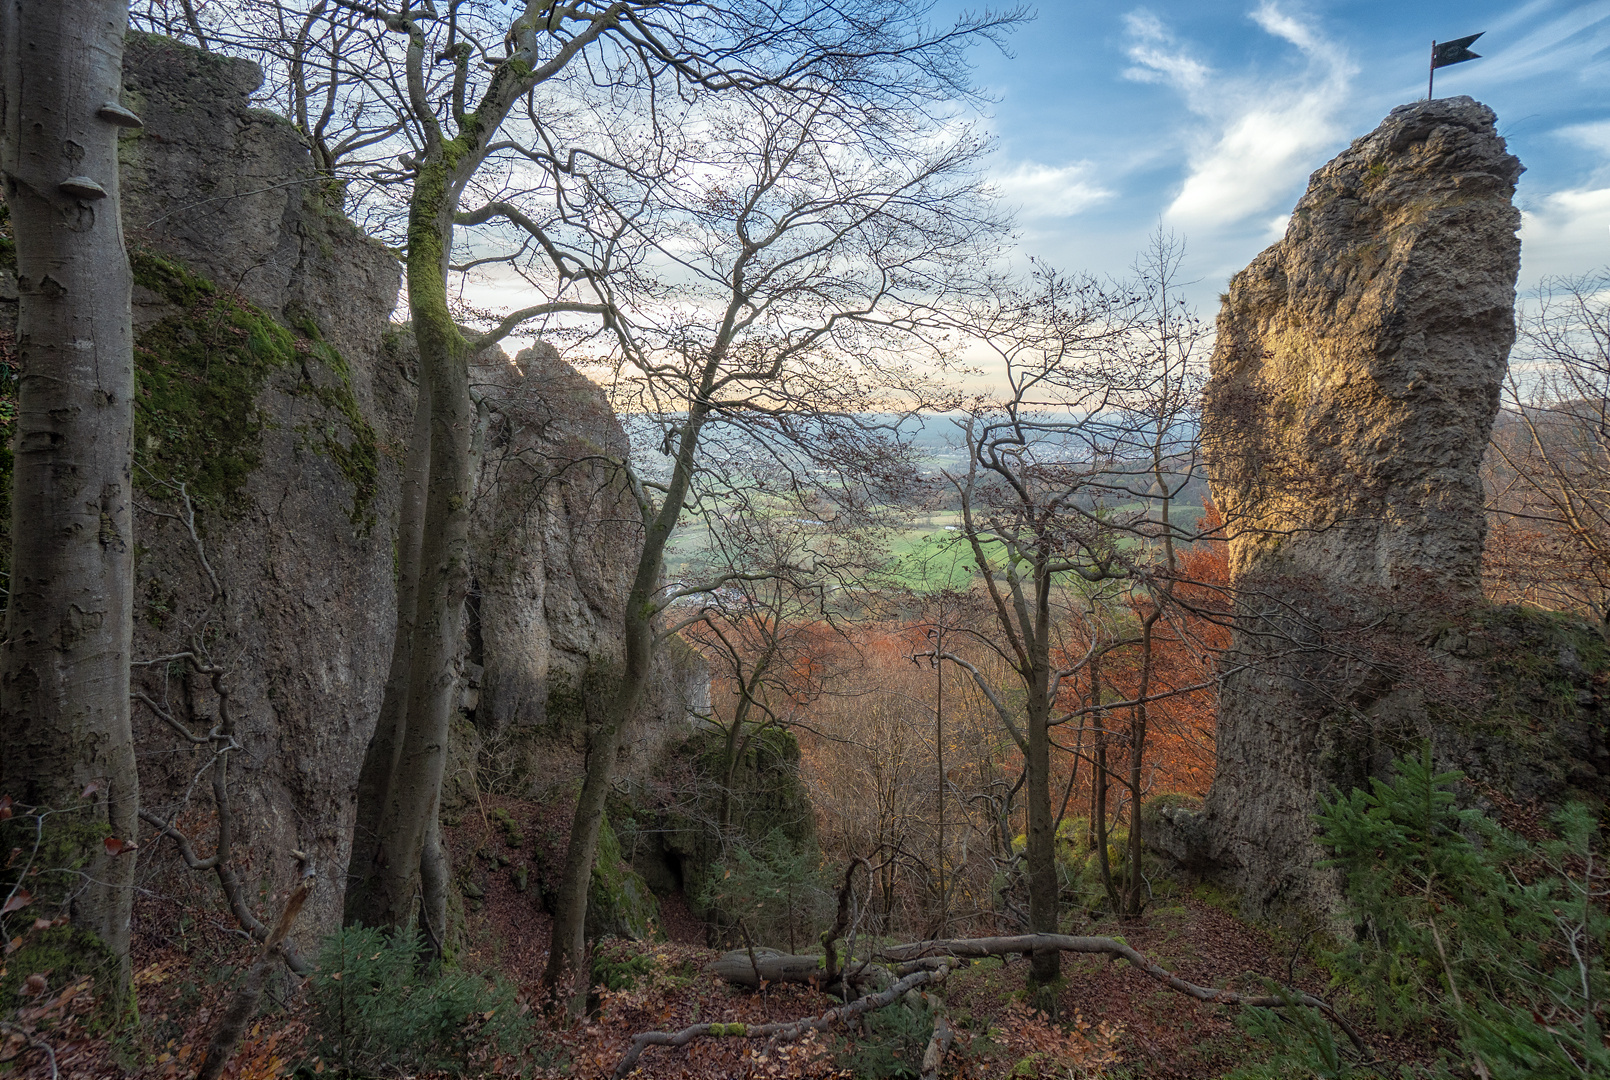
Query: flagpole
(1431, 79)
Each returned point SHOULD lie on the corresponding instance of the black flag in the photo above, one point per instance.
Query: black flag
(1454, 52)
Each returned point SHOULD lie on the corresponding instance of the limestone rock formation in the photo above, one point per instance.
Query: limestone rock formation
(273, 386)
(550, 586)
(264, 388)
(1353, 388)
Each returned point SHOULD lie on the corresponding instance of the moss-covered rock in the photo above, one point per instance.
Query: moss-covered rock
(49, 855)
(675, 847)
(619, 902)
(200, 373)
(1540, 728)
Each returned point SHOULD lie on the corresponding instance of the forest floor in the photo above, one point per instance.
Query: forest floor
(1115, 1021)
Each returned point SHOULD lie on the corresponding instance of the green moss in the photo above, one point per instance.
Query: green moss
(617, 966)
(1531, 733)
(199, 373)
(619, 903)
(61, 954)
(569, 698)
(53, 860)
(511, 828)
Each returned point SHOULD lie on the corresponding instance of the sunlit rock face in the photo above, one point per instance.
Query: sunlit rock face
(1353, 389)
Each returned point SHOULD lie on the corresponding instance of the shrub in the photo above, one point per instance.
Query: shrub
(376, 1010)
(781, 893)
(893, 1043)
(617, 966)
(1460, 921)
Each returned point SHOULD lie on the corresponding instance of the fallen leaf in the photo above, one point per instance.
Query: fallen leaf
(19, 900)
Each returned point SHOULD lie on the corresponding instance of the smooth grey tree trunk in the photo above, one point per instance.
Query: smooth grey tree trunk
(380, 760)
(386, 877)
(398, 816)
(65, 741)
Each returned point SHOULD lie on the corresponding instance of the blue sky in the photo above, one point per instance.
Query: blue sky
(1209, 115)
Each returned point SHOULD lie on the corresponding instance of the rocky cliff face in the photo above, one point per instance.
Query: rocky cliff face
(1353, 388)
(265, 391)
(274, 399)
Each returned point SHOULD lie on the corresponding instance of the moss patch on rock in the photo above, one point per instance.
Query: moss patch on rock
(49, 864)
(199, 375)
(674, 847)
(1542, 730)
(619, 902)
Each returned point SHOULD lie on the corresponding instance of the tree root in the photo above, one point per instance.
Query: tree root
(779, 1032)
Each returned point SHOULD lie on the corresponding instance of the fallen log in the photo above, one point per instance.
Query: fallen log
(743, 967)
(779, 1032)
(934, 1056)
(1029, 943)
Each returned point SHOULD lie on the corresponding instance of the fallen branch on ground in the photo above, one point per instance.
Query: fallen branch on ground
(934, 1056)
(780, 1032)
(243, 1006)
(234, 890)
(1029, 943)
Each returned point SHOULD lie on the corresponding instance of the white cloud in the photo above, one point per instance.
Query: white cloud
(1044, 191)
(1594, 136)
(1566, 232)
(1533, 40)
(1261, 135)
(1159, 55)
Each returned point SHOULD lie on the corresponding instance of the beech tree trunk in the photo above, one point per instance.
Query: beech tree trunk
(1040, 850)
(386, 880)
(396, 853)
(64, 664)
(380, 759)
(567, 950)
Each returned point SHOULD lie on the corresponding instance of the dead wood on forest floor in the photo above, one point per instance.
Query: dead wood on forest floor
(781, 1032)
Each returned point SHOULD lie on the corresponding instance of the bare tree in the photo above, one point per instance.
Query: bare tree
(482, 106)
(807, 245)
(1066, 506)
(1548, 468)
(772, 633)
(65, 737)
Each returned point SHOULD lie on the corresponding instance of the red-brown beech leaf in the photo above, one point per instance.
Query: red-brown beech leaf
(89, 789)
(19, 900)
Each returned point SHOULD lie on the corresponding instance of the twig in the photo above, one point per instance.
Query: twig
(753, 963)
(233, 890)
(780, 1032)
(36, 1043)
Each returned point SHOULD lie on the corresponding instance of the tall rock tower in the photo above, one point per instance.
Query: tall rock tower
(1354, 385)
